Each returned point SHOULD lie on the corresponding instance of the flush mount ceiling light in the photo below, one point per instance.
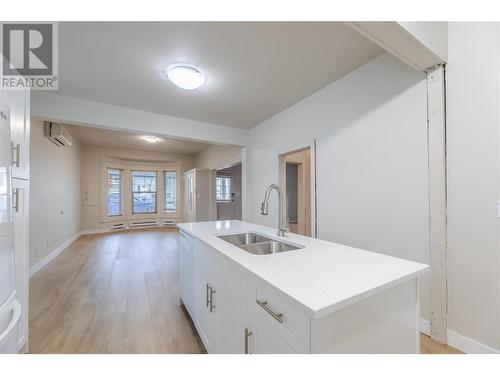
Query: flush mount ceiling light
(150, 138)
(186, 76)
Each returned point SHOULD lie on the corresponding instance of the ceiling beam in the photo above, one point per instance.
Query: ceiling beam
(78, 111)
(405, 45)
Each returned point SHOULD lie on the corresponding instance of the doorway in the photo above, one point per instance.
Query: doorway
(297, 178)
(228, 192)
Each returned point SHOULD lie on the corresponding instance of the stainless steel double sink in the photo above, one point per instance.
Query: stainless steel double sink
(258, 244)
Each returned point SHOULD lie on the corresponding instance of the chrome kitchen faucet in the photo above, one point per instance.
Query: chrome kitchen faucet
(282, 227)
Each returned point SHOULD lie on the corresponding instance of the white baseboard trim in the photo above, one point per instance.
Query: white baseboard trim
(425, 327)
(58, 250)
(468, 345)
(460, 342)
(94, 231)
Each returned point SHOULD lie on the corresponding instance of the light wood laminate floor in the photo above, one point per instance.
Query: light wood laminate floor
(119, 293)
(112, 293)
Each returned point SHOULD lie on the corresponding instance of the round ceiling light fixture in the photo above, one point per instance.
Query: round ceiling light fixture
(150, 138)
(186, 76)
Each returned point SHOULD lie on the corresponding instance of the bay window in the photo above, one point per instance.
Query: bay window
(143, 192)
(115, 197)
(170, 184)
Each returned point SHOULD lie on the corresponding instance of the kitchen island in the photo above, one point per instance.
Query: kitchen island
(320, 298)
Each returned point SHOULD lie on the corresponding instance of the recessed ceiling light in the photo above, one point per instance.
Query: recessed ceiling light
(150, 138)
(186, 76)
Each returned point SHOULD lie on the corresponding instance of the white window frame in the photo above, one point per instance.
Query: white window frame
(121, 190)
(127, 199)
(132, 191)
(178, 191)
(230, 188)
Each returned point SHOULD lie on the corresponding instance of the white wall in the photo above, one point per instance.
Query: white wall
(473, 101)
(371, 134)
(218, 156)
(54, 194)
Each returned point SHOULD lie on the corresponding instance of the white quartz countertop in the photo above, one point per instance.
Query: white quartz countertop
(323, 276)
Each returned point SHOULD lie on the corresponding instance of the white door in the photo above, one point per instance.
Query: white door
(187, 272)
(189, 203)
(206, 304)
(226, 210)
(231, 323)
(263, 339)
(21, 233)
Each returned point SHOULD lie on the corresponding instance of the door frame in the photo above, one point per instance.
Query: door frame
(282, 152)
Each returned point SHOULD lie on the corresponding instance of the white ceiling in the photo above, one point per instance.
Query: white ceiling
(130, 141)
(254, 70)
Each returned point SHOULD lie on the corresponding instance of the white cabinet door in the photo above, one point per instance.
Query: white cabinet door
(21, 220)
(231, 322)
(187, 272)
(20, 130)
(206, 304)
(263, 339)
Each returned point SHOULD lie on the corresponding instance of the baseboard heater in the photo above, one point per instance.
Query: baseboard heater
(169, 223)
(117, 226)
(143, 224)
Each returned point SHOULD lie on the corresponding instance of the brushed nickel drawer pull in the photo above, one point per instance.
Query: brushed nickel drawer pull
(17, 150)
(212, 292)
(208, 293)
(15, 198)
(264, 305)
(248, 333)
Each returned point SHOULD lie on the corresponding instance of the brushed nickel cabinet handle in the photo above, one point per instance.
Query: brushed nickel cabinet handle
(212, 292)
(208, 294)
(248, 333)
(264, 305)
(17, 149)
(15, 198)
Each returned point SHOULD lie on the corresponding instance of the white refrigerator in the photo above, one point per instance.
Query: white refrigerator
(10, 308)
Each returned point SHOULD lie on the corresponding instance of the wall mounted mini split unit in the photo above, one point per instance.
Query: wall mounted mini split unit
(57, 134)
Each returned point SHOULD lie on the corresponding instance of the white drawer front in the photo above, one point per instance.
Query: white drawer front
(280, 312)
